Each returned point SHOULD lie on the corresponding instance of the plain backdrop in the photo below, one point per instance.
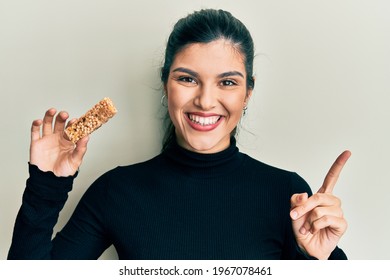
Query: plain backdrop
(322, 86)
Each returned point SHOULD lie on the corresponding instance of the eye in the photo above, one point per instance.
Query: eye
(228, 83)
(186, 79)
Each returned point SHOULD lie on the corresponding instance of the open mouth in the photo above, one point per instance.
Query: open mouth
(203, 120)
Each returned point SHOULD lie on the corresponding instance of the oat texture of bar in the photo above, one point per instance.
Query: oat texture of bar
(91, 120)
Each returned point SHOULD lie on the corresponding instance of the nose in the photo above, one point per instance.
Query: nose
(206, 98)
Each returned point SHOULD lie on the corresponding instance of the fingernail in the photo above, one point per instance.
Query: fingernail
(302, 230)
(294, 214)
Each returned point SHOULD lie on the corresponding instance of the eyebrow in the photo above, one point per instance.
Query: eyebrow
(230, 73)
(186, 70)
(196, 74)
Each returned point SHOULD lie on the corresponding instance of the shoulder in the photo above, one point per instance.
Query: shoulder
(138, 169)
(265, 172)
(141, 168)
(261, 168)
(121, 179)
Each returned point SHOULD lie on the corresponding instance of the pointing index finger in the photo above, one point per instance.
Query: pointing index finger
(334, 172)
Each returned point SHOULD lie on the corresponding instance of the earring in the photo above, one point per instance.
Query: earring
(164, 101)
(244, 110)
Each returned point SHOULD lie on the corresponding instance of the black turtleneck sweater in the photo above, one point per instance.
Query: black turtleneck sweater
(178, 205)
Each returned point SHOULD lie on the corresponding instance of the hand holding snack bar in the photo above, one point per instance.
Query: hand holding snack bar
(62, 152)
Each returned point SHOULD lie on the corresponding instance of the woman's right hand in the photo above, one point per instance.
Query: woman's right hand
(50, 149)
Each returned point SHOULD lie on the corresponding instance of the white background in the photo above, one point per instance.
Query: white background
(322, 86)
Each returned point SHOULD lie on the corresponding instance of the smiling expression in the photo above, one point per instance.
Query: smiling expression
(206, 92)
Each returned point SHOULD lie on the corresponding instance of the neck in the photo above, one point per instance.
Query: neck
(201, 164)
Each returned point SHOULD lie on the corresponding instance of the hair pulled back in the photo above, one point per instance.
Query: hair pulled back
(205, 26)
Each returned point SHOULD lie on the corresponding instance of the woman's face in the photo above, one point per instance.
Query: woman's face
(206, 92)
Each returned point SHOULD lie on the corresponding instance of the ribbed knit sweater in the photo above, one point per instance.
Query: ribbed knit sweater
(177, 205)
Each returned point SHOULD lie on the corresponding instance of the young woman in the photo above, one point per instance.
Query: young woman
(200, 198)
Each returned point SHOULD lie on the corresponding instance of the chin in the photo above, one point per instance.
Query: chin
(207, 145)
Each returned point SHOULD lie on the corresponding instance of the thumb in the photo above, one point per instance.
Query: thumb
(81, 149)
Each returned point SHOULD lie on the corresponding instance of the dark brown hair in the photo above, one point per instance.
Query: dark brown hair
(206, 26)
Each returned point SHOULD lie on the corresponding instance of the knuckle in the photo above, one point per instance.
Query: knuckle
(317, 213)
(316, 197)
(326, 219)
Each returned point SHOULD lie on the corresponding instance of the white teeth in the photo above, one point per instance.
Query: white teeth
(203, 120)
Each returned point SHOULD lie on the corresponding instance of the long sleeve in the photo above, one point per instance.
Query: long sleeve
(85, 236)
(43, 199)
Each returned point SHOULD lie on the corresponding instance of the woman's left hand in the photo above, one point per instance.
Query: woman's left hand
(318, 221)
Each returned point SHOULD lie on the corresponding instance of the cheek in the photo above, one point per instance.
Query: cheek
(178, 96)
(235, 104)
(176, 102)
